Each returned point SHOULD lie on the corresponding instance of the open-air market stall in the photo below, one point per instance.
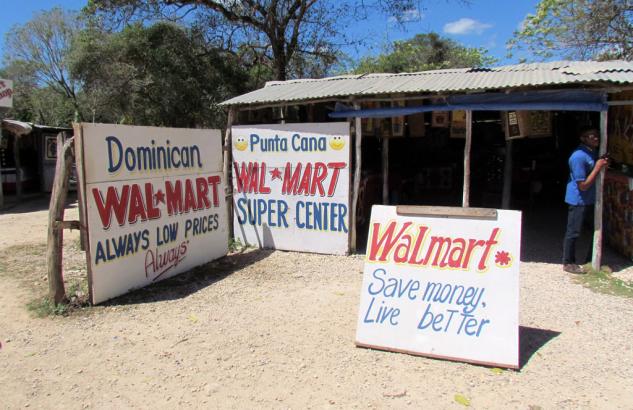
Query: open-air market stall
(27, 156)
(488, 137)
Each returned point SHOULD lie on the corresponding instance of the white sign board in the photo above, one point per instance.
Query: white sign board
(155, 203)
(445, 287)
(291, 186)
(6, 93)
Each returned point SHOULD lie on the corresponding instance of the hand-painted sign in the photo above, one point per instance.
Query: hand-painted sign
(6, 93)
(291, 186)
(155, 203)
(445, 287)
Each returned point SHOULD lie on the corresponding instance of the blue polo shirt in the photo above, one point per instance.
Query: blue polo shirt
(581, 162)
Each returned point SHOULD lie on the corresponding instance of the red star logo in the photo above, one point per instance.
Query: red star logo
(159, 197)
(503, 258)
(276, 173)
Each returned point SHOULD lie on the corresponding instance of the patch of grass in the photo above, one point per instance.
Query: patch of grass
(603, 281)
(26, 264)
(43, 307)
(236, 245)
(76, 299)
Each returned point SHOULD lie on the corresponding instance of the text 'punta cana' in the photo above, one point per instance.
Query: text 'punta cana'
(414, 245)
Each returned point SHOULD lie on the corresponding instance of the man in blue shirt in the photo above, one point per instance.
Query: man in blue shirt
(581, 194)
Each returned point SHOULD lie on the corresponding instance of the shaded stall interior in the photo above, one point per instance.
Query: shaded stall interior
(28, 153)
(426, 166)
(425, 152)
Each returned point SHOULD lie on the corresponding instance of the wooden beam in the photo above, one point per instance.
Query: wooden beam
(357, 157)
(54, 247)
(385, 170)
(467, 144)
(228, 161)
(507, 177)
(66, 225)
(447, 211)
(18, 167)
(596, 257)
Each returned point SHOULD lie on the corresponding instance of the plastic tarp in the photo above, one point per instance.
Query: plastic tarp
(572, 100)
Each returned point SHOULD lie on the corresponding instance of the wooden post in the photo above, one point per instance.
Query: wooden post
(1, 191)
(54, 248)
(81, 198)
(467, 143)
(357, 156)
(18, 167)
(507, 177)
(596, 257)
(228, 161)
(385, 171)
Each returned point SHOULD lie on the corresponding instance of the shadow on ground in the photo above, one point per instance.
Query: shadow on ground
(531, 340)
(187, 283)
(542, 240)
(33, 203)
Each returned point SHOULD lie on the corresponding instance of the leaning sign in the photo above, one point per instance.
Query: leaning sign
(291, 186)
(443, 282)
(154, 203)
(6, 93)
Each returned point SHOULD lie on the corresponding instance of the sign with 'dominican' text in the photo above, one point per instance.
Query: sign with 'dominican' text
(291, 186)
(154, 203)
(442, 286)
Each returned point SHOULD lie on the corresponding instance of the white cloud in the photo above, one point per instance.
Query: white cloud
(407, 16)
(466, 26)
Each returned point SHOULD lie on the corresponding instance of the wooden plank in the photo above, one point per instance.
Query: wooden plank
(81, 198)
(228, 180)
(507, 177)
(447, 211)
(385, 171)
(596, 257)
(66, 225)
(467, 144)
(54, 247)
(357, 156)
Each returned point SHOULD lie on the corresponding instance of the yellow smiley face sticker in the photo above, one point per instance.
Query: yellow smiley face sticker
(337, 143)
(241, 144)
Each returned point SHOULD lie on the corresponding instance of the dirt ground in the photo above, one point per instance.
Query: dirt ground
(264, 329)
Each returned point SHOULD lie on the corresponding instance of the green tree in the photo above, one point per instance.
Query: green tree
(294, 38)
(35, 103)
(40, 50)
(577, 29)
(163, 74)
(424, 52)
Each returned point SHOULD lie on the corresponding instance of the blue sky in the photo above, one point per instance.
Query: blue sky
(478, 23)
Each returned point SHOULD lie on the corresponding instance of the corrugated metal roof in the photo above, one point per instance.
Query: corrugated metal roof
(443, 81)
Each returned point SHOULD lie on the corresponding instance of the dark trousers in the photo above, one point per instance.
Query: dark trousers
(577, 215)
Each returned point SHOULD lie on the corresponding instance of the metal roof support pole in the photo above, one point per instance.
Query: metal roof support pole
(469, 136)
(507, 177)
(356, 188)
(228, 160)
(596, 257)
(18, 167)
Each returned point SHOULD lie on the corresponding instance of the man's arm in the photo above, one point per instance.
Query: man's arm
(591, 178)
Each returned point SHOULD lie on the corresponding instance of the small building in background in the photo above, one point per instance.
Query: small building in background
(28, 153)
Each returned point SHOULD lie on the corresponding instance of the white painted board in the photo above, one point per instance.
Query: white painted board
(155, 204)
(444, 287)
(291, 186)
(6, 93)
